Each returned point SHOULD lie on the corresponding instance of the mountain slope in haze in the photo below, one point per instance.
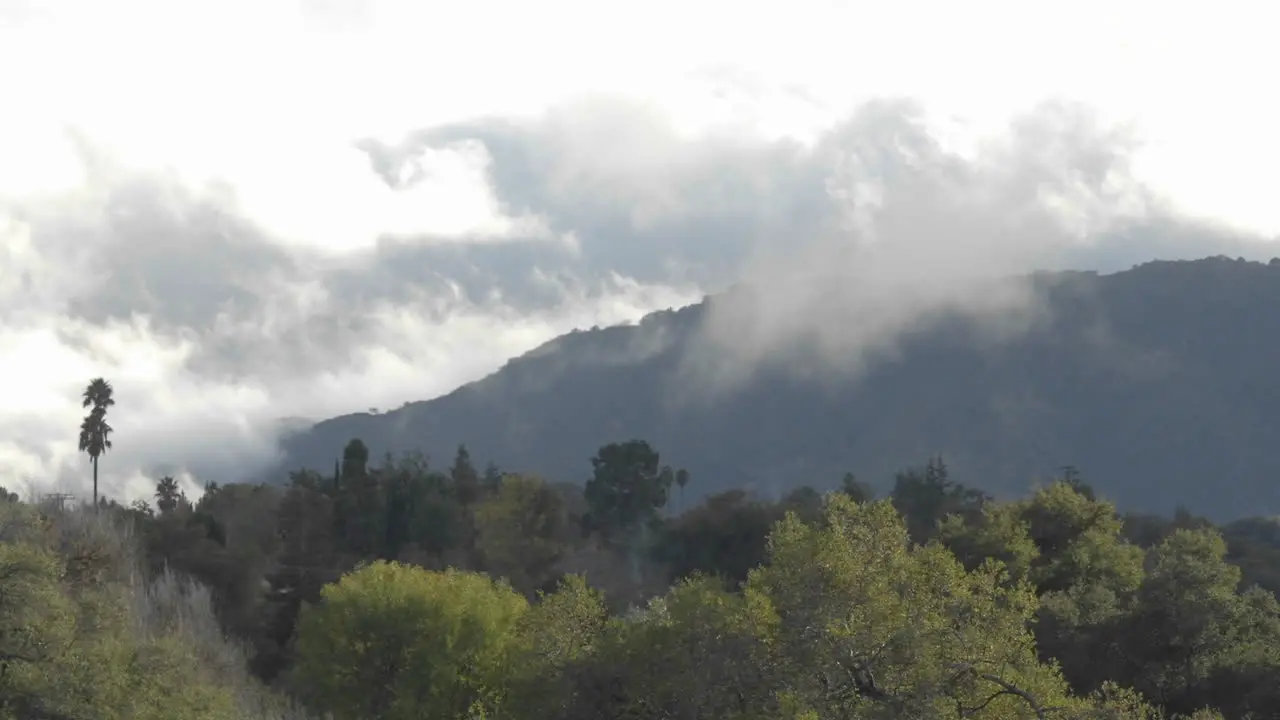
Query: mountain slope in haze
(1158, 383)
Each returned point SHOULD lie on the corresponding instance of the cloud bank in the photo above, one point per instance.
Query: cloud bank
(845, 242)
(273, 239)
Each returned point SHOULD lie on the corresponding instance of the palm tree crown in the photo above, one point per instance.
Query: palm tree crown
(168, 495)
(98, 394)
(95, 434)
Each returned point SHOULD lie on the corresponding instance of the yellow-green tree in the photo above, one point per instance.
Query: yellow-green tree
(847, 618)
(871, 626)
(560, 634)
(1069, 545)
(395, 641)
(699, 651)
(37, 624)
(1190, 620)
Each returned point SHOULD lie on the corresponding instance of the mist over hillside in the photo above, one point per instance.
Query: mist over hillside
(1156, 382)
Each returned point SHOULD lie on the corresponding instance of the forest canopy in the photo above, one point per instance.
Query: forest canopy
(399, 590)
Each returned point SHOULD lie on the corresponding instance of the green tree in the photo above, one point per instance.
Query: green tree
(36, 622)
(926, 496)
(1188, 616)
(725, 537)
(492, 476)
(560, 634)
(1072, 477)
(872, 626)
(359, 508)
(439, 525)
(1000, 534)
(1069, 546)
(627, 488)
(699, 651)
(466, 480)
(1059, 538)
(398, 642)
(398, 488)
(355, 459)
(522, 532)
(95, 433)
(853, 487)
(807, 503)
(305, 563)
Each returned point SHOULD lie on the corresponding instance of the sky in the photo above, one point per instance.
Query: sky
(244, 212)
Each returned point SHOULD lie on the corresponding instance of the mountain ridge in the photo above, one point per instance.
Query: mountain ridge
(1153, 381)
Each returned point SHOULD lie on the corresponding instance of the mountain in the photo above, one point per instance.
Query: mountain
(1158, 383)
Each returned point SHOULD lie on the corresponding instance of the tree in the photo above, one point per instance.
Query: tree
(724, 537)
(398, 642)
(492, 476)
(560, 632)
(1187, 616)
(95, 433)
(871, 625)
(926, 496)
(355, 459)
(627, 488)
(1079, 541)
(699, 651)
(466, 480)
(168, 496)
(856, 489)
(36, 620)
(521, 532)
(682, 479)
(305, 563)
(1069, 546)
(359, 511)
(1072, 477)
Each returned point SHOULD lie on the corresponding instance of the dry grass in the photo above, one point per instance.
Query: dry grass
(179, 606)
(101, 548)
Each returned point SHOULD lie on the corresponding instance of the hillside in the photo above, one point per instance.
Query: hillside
(1157, 382)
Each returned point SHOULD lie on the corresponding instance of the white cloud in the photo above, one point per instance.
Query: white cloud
(169, 419)
(146, 142)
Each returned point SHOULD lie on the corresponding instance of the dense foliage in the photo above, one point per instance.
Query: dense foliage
(400, 590)
(84, 635)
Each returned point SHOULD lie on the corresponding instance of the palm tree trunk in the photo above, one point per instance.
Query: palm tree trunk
(95, 485)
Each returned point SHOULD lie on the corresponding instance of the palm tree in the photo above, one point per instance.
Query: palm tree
(98, 394)
(95, 433)
(168, 496)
